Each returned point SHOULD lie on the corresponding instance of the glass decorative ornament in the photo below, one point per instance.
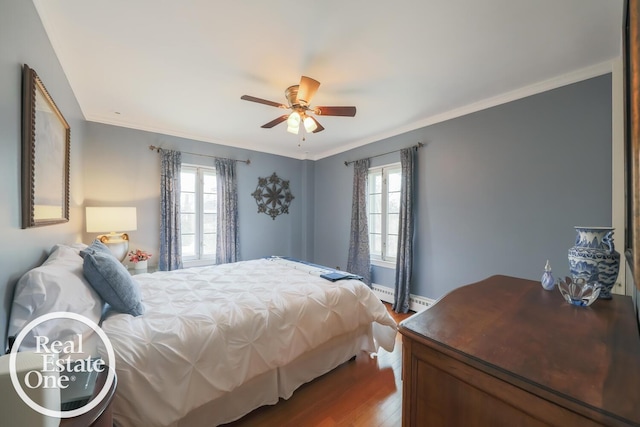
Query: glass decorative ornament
(547, 281)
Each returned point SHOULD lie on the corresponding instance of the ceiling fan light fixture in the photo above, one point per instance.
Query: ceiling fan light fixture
(306, 89)
(299, 99)
(310, 124)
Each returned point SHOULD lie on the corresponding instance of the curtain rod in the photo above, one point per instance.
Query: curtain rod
(157, 149)
(417, 146)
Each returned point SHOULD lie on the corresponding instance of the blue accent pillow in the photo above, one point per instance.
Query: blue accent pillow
(97, 246)
(112, 281)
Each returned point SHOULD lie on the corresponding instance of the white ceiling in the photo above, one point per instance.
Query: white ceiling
(180, 67)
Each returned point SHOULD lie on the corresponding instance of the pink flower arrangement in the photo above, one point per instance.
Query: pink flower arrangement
(138, 255)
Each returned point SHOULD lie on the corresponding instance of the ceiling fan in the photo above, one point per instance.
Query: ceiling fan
(299, 100)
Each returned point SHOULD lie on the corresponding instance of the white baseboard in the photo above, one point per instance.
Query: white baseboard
(416, 302)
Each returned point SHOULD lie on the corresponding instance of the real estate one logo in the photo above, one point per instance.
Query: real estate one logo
(61, 365)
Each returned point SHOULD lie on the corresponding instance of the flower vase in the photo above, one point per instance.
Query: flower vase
(140, 265)
(594, 258)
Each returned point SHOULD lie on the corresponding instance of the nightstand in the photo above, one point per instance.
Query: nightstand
(151, 269)
(101, 415)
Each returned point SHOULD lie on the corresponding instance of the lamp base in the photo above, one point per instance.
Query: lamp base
(118, 244)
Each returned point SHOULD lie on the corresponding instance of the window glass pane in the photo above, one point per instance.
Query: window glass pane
(210, 203)
(209, 182)
(375, 203)
(394, 179)
(188, 179)
(375, 223)
(209, 244)
(392, 223)
(188, 245)
(209, 223)
(187, 203)
(392, 246)
(394, 203)
(375, 243)
(375, 182)
(188, 223)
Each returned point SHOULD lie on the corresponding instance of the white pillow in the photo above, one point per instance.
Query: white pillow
(57, 285)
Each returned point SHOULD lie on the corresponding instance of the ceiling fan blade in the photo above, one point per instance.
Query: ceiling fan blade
(307, 88)
(274, 122)
(319, 127)
(335, 111)
(262, 101)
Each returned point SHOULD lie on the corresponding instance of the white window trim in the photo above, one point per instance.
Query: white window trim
(385, 264)
(379, 259)
(196, 261)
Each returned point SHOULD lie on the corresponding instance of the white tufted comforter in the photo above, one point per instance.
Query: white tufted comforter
(208, 330)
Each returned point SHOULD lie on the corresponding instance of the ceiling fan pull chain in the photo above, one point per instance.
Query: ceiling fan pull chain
(303, 137)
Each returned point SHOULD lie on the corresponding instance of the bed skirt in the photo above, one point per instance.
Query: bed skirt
(268, 388)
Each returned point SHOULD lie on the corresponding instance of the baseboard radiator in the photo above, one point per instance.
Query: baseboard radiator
(416, 302)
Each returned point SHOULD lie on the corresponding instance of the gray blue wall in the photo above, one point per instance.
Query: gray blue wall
(499, 191)
(23, 40)
(120, 170)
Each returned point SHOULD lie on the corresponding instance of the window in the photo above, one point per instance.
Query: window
(384, 211)
(198, 214)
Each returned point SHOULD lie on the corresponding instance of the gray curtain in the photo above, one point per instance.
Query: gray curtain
(170, 241)
(227, 245)
(359, 261)
(404, 257)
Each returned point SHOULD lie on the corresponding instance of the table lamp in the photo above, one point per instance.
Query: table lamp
(114, 221)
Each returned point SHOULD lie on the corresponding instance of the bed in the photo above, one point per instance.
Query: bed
(214, 343)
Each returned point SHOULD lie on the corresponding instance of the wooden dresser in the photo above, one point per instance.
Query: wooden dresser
(505, 352)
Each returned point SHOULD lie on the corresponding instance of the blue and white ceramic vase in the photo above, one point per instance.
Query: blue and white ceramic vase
(594, 257)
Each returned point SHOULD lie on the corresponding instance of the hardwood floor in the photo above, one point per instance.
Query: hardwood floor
(364, 392)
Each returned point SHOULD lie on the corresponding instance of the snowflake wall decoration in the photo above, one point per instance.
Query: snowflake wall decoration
(273, 196)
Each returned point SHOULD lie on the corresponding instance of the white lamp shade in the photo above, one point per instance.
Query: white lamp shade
(109, 219)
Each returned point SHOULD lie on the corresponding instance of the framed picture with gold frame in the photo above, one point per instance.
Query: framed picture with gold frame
(45, 155)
